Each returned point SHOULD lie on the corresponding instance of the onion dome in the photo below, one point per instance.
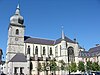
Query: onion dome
(17, 18)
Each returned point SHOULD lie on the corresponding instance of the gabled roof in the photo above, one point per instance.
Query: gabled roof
(95, 49)
(39, 41)
(45, 41)
(19, 57)
(66, 39)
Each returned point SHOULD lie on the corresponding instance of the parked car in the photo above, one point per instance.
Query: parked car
(95, 73)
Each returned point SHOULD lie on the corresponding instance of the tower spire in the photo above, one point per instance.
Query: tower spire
(63, 36)
(18, 10)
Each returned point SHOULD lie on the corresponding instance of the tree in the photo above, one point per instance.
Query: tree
(88, 65)
(39, 67)
(62, 64)
(95, 66)
(81, 66)
(73, 67)
(44, 67)
(53, 65)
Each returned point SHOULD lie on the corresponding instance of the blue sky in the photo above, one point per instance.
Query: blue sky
(44, 18)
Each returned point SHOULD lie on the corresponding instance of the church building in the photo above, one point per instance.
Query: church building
(25, 54)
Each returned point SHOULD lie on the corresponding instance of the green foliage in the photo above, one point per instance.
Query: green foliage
(81, 66)
(44, 67)
(73, 67)
(53, 65)
(62, 64)
(88, 65)
(39, 67)
(95, 66)
(58, 68)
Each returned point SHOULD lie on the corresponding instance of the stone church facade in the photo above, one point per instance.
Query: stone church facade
(24, 53)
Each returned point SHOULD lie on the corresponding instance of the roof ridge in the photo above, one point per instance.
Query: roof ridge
(42, 38)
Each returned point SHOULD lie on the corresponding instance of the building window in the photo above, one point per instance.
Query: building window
(60, 50)
(56, 51)
(28, 50)
(36, 50)
(43, 50)
(21, 70)
(50, 51)
(71, 57)
(17, 32)
(15, 70)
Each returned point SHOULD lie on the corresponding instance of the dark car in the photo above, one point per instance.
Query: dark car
(97, 73)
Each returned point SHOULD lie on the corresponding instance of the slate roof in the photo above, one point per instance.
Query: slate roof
(95, 49)
(46, 41)
(92, 52)
(19, 57)
(39, 41)
(66, 39)
(26, 37)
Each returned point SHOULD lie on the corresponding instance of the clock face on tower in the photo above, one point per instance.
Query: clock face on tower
(16, 38)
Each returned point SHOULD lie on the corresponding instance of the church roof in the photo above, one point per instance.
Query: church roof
(45, 41)
(66, 39)
(19, 57)
(39, 41)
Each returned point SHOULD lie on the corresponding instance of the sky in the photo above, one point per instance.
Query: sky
(44, 19)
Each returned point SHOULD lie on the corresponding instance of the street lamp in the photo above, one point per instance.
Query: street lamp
(47, 69)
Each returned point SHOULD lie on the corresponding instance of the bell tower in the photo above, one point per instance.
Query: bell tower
(15, 35)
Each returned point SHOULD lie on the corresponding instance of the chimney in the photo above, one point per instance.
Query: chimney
(97, 45)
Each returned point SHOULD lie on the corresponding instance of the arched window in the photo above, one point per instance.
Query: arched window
(43, 50)
(17, 32)
(50, 51)
(28, 50)
(56, 51)
(36, 50)
(71, 56)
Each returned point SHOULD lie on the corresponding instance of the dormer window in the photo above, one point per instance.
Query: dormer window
(17, 32)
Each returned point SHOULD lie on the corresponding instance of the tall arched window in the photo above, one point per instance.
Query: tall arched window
(56, 51)
(43, 50)
(28, 50)
(36, 50)
(50, 51)
(71, 56)
(17, 32)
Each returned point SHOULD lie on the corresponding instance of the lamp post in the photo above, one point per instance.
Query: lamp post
(47, 69)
